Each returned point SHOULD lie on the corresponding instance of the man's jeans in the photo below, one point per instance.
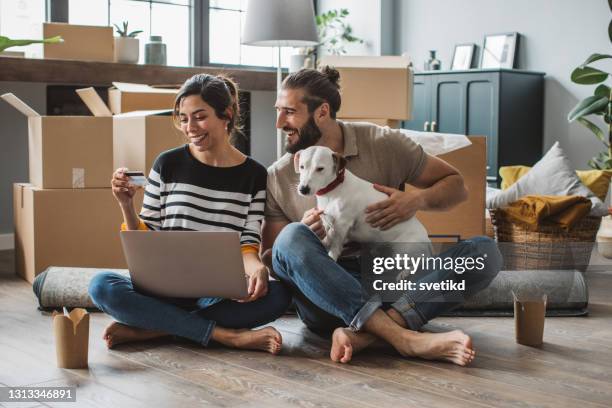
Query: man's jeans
(193, 319)
(329, 294)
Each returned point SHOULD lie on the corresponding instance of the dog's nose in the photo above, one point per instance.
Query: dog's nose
(304, 190)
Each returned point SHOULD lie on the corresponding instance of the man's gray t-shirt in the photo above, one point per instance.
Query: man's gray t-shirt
(377, 154)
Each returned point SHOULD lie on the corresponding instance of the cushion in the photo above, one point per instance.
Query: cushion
(598, 181)
(552, 175)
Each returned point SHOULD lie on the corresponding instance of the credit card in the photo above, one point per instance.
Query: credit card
(137, 178)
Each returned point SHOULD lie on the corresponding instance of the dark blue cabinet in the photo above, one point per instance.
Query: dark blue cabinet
(506, 106)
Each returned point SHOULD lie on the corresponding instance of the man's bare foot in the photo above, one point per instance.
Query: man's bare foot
(346, 342)
(266, 339)
(117, 333)
(454, 346)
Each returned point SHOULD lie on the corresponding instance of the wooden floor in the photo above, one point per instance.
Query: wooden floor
(572, 369)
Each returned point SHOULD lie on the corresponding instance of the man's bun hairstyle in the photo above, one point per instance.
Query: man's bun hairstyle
(319, 86)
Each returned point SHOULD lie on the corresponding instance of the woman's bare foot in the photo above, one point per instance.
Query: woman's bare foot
(266, 339)
(117, 333)
(345, 342)
(454, 346)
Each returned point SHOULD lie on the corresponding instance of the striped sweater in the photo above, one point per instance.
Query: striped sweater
(186, 194)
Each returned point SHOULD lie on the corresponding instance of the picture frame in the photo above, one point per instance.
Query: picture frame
(463, 56)
(499, 50)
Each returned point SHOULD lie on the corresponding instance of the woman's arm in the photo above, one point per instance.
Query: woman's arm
(256, 272)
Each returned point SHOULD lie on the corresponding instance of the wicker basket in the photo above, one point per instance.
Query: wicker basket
(548, 248)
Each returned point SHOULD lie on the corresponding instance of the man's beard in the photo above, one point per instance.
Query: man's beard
(308, 135)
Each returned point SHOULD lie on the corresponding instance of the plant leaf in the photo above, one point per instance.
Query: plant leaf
(602, 90)
(588, 106)
(595, 129)
(6, 42)
(610, 29)
(588, 76)
(595, 57)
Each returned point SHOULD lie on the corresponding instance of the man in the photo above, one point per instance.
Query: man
(329, 295)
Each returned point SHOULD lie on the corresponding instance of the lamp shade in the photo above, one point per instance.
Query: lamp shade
(280, 23)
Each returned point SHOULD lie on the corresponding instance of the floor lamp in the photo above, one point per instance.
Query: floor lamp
(280, 23)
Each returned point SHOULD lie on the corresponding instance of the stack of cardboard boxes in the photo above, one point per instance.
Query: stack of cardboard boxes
(67, 215)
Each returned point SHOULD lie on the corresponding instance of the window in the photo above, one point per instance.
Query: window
(168, 18)
(226, 20)
(22, 19)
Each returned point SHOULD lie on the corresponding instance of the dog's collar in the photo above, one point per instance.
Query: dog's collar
(337, 181)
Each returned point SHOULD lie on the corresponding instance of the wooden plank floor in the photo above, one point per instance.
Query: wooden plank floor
(573, 368)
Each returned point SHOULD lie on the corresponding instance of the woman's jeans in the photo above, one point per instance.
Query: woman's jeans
(193, 319)
(329, 294)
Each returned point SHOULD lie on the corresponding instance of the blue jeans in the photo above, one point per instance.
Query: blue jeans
(193, 319)
(329, 294)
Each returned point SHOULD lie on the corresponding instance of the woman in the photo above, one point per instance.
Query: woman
(206, 185)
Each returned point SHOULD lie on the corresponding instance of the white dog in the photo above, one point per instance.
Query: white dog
(343, 197)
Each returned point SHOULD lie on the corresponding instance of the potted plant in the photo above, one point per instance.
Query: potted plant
(6, 42)
(600, 105)
(127, 46)
(334, 34)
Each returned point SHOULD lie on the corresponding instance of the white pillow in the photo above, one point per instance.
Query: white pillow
(552, 175)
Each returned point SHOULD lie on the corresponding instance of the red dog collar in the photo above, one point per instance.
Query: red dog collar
(337, 181)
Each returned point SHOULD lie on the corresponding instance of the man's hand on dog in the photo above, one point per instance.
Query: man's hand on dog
(312, 219)
(400, 206)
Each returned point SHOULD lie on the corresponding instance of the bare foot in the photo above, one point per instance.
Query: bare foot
(454, 346)
(345, 342)
(266, 339)
(117, 333)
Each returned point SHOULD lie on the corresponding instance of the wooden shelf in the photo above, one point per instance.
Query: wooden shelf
(103, 73)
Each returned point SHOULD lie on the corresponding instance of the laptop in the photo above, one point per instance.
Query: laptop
(186, 264)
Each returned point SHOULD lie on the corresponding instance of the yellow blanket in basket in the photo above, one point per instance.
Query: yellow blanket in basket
(533, 210)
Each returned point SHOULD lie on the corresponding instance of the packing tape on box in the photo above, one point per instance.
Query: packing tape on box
(78, 177)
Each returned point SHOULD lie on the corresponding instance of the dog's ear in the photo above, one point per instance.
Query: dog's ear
(339, 162)
(296, 161)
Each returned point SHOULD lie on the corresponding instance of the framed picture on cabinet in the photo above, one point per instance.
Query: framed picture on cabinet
(463, 56)
(499, 50)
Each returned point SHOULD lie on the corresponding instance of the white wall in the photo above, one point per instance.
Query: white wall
(263, 130)
(556, 37)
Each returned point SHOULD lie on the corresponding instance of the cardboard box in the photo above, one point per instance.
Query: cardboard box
(392, 123)
(66, 227)
(374, 87)
(139, 136)
(86, 43)
(468, 218)
(124, 97)
(67, 151)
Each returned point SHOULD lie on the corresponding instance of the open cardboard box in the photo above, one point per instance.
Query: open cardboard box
(139, 136)
(67, 151)
(84, 43)
(373, 87)
(66, 227)
(124, 97)
(468, 218)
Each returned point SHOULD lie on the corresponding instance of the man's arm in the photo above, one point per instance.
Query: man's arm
(440, 187)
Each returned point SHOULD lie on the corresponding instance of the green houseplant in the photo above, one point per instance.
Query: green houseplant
(127, 46)
(334, 34)
(6, 42)
(598, 104)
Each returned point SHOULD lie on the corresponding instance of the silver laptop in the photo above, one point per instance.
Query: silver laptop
(186, 264)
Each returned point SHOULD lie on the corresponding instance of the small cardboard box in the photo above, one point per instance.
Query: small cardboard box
(67, 151)
(124, 97)
(374, 87)
(86, 43)
(139, 136)
(66, 227)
